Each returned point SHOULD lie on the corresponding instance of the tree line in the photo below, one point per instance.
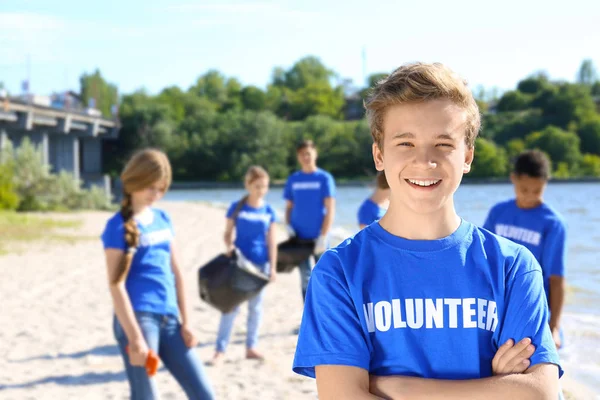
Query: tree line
(218, 127)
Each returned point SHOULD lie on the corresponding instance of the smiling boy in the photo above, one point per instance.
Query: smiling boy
(417, 305)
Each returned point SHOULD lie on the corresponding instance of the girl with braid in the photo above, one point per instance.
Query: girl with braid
(146, 283)
(253, 221)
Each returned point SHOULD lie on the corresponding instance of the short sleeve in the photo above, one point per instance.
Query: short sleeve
(273, 215)
(287, 190)
(555, 248)
(329, 187)
(113, 236)
(165, 215)
(231, 209)
(330, 332)
(526, 311)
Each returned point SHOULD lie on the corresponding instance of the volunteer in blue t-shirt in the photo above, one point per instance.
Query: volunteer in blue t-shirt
(254, 223)
(373, 208)
(529, 221)
(422, 304)
(310, 205)
(146, 283)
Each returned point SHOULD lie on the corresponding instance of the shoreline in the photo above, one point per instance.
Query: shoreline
(210, 185)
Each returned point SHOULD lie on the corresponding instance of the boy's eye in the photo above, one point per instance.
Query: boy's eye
(405, 144)
(445, 145)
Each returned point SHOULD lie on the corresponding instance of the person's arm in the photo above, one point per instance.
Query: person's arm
(557, 301)
(272, 246)
(123, 309)
(537, 383)
(228, 236)
(288, 196)
(179, 286)
(188, 336)
(288, 211)
(554, 262)
(343, 382)
(329, 203)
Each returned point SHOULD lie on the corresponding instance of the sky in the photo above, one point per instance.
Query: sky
(155, 44)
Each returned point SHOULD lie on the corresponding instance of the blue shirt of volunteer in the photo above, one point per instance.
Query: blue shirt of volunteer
(251, 227)
(540, 229)
(369, 212)
(425, 308)
(150, 282)
(308, 192)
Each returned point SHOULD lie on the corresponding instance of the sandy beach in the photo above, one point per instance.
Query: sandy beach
(56, 340)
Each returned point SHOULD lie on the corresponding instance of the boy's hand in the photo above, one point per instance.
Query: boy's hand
(556, 337)
(513, 358)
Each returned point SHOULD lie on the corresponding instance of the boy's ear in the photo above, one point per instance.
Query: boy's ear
(469, 155)
(377, 157)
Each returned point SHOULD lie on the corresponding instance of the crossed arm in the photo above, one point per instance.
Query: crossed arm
(537, 383)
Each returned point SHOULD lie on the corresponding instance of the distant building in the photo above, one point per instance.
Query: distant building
(69, 136)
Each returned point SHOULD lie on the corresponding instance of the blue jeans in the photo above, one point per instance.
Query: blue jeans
(306, 268)
(163, 335)
(253, 323)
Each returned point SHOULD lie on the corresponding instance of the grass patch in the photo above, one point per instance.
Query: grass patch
(16, 227)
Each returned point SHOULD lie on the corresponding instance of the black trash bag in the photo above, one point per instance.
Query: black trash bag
(292, 252)
(225, 285)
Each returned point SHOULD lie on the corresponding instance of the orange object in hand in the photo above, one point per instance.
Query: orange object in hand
(151, 362)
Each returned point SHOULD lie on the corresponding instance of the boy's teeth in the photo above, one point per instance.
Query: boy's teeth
(423, 183)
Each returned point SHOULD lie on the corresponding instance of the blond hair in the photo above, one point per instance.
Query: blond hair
(254, 173)
(145, 168)
(420, 82)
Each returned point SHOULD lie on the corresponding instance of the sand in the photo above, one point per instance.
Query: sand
(56, 339)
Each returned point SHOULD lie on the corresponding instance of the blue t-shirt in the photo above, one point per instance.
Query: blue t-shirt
(308, 193)
(541, 229)
(150, 283)
(425, 308)
(369, 212)
(251, 228)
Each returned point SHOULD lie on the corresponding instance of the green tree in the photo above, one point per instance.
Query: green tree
(590, 165)
(514, 101)
(587, 74)
(513, 148)
(572, 104)
(534, 84)
(253, 98)
(490, 160)
(596, 88)
(307, 71)
(9, 199)
(213, 86)
(104, 94)
(316, 99)
(589, 133)
(561, 146)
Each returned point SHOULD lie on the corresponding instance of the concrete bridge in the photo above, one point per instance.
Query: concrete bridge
(70, 140)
